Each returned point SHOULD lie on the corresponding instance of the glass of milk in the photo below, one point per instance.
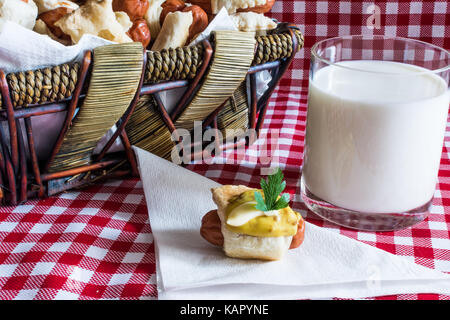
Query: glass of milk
(376, 120)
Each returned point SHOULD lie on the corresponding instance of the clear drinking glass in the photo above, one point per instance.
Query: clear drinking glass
(377, 115)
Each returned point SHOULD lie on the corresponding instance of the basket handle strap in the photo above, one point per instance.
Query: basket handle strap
(115, 79)
(233, 56)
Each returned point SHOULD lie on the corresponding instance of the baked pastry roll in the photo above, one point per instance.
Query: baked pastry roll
(199, 21)
(174, 32)
(46, 24)
(96, 17)
(23, 12)
(42, 28)
(252, 21)
(48, 5)
(152, 16)
(158, 11)
(232, 6)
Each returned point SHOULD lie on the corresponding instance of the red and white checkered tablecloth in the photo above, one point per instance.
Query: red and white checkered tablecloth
(97, 243)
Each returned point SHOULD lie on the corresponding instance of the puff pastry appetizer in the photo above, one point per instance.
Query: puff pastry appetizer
(250, 227)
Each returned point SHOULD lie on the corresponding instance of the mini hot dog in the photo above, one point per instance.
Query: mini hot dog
(173, 23)
(253, 223)
(139, 32)
(51, 16)
(211, 230)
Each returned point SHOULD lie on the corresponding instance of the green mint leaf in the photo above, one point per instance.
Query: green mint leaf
(260, 205)
(272, 187)
(283, 202)
(282, 187)
(264, 185)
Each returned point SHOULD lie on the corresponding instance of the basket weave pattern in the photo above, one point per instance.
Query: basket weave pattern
(43, 85)
(129, 99)
(57, 83)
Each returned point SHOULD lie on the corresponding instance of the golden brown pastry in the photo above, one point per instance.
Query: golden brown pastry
(232, 6)
(152, 16)
(254, 223)
(96, 17)
(48, 5)
(199, 16)
(50, 17)
(252, 21)
(159, 10)
(264, 7)
(246, 232)
(135, 9)
(170, 6)
(199, 21)
(174, 32)
(139, 32)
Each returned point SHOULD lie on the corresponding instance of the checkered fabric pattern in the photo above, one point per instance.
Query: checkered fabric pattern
(428, 21)
(97, 243)
(90, 245)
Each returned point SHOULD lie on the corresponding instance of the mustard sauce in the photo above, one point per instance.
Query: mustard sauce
(282, 224)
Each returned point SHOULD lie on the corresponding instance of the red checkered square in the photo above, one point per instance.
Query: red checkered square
(97, 243)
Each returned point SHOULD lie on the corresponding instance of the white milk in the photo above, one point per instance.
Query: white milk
(374, 141)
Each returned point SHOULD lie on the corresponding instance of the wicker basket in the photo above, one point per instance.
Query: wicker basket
(117, 85)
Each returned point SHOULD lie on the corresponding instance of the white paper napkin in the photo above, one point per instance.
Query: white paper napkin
(326, 265)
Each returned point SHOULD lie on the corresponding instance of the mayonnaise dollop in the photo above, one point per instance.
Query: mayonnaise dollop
(246, 212)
